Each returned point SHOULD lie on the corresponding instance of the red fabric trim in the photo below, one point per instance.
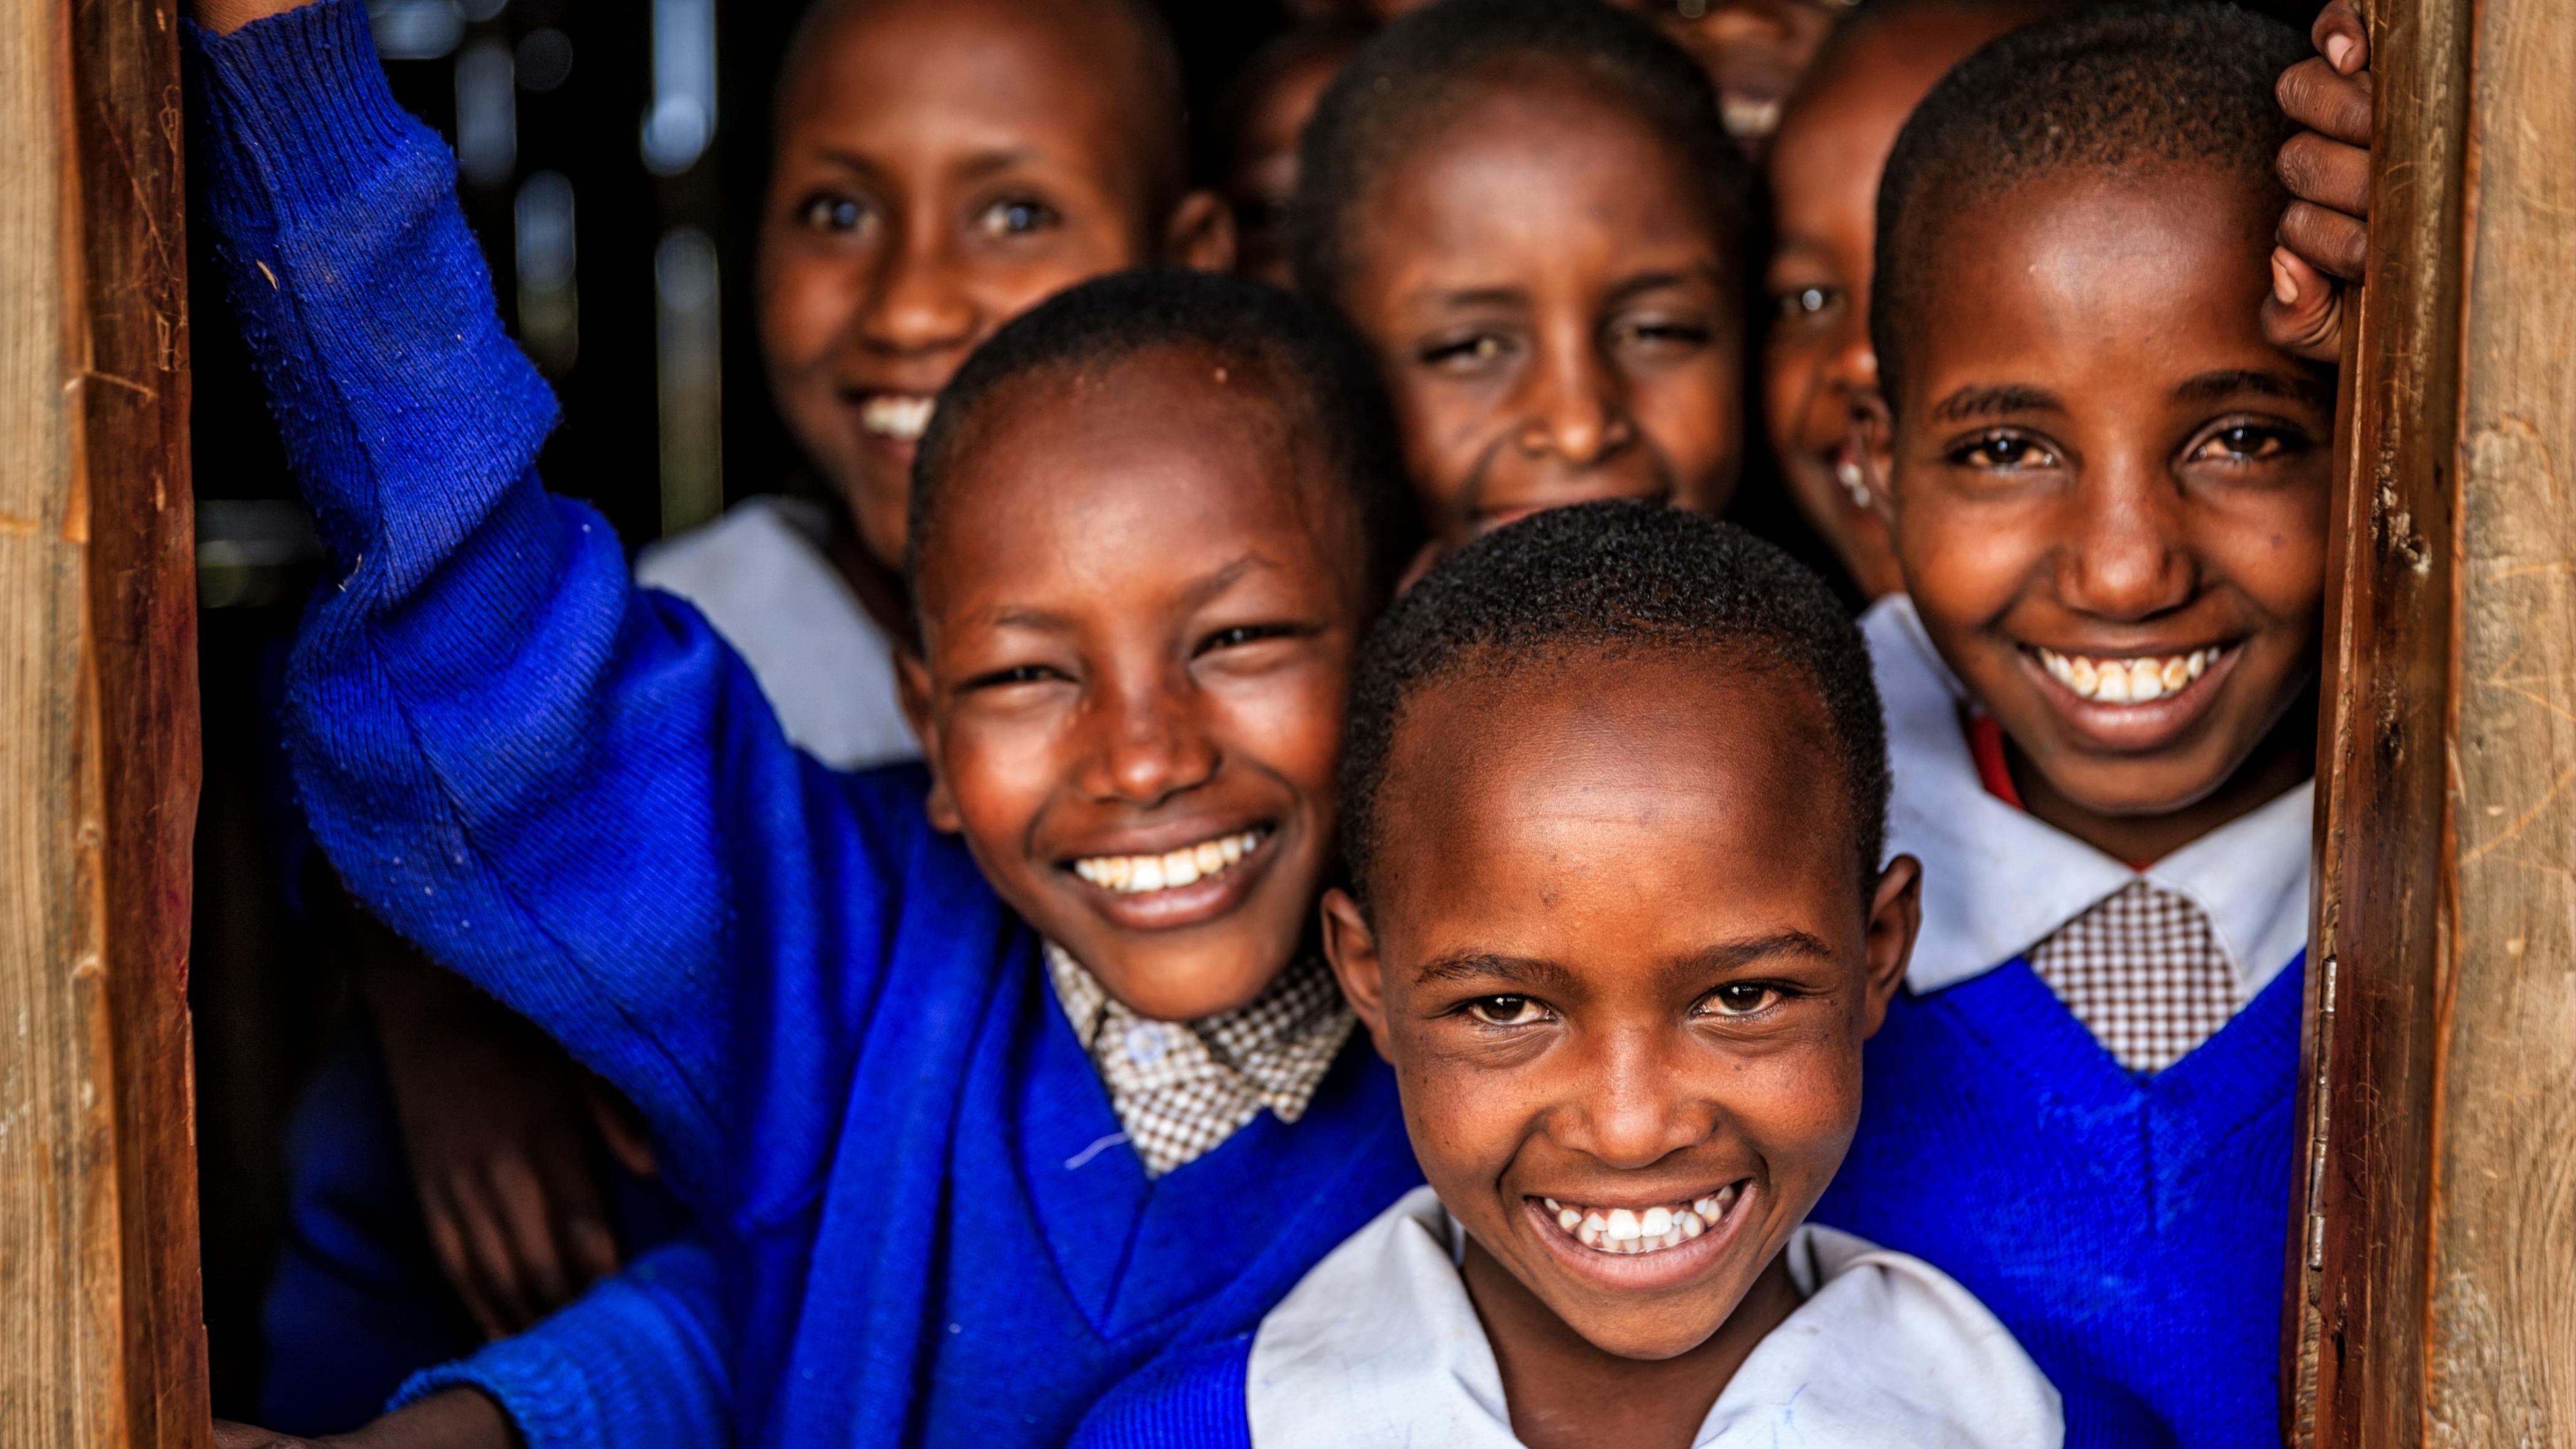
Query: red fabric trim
(1986, 744)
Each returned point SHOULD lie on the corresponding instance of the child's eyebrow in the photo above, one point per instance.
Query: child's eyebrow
(1736, 954)
(1645, 282)
(1981, 401)
(2289, 387)
(1488, 966)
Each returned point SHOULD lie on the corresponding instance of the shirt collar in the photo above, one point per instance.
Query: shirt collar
(1380, 1344)
(1998, 881)
(1280, 1044)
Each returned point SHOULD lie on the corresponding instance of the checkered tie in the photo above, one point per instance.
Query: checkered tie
(2144, 971)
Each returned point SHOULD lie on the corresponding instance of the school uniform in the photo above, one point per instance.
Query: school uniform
(2080, 1106)
(925, 1222)
(764, 577)
(1381, 1346)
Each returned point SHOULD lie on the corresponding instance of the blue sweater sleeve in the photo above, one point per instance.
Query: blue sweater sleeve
(562, 786)
(1189, 1400)
(633, 1364)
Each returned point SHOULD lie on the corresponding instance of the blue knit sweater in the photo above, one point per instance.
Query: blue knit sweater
(573, 792)
(2128, 1230)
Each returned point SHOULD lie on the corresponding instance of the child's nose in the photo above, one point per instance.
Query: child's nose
(1851, 369)
(1145, 748)
(1576, 412)
(919, 302)
(1632, 1111)
(2131, 555)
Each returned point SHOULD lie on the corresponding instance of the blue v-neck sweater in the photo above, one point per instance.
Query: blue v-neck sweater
(2129, 1230)
(922, 1223)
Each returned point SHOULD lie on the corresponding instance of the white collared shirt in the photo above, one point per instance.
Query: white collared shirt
(1998, 880)
(1380, 1346)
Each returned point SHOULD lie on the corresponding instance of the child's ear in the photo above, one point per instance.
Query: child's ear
(1352, 948)
(1199, 234)
(1895, 916)
(1873, 448)
(912, 690)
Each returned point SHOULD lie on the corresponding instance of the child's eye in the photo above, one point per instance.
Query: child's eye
(1016, 216)
(1797, 304)
(2003, 453)
(1741, 998)
(1242, 634)
(2245, 443)
(1507, 1010)
(1464, 352)
(1016, 674)
(834, 213)
(1658, 330)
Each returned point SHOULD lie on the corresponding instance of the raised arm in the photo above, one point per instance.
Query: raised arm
(563, 787)
(635, 1364)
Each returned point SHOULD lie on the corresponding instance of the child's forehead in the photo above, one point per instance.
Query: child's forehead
(1082, 76)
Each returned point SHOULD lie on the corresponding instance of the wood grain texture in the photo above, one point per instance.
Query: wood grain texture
(2433, 1282)
(100, 1336)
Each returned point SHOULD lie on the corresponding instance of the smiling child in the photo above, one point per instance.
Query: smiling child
(1531, 211)
(2107, 493)
(1614, 795)
(1824, 168)
(942, 1083)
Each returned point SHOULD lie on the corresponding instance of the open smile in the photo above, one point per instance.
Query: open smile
(1637, 1247)
(1182, 886)
(2131, 702)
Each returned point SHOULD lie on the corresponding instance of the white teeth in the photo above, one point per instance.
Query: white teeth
(1747, 119)
(1134, 874)
(1625, 1231)
(2127, 681)
(903, 419)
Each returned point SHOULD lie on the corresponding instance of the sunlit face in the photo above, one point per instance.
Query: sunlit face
(1139, 605)
(942, 166)
(2109, 491)
(1825, 164)
(1619, 959)
(1543, 285)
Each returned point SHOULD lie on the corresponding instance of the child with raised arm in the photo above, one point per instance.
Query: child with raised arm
(1532, 212)
(952, 1061)
(2107, 492)
(1614, 795)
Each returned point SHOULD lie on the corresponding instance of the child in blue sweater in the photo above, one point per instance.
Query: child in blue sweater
(2107, 493)
(1613, 801)
(1019, 1059)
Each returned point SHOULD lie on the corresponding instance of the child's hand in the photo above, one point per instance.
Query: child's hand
(2327, 168)
(456, 1419)
(498, 1128)
(223, 17)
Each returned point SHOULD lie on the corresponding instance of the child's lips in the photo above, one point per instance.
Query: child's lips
(2131, 702)
(1184, 886)
(1646, 1270)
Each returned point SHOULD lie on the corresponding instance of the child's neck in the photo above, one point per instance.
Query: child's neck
(2287, 756)
(1564, 1393)
(878, 588)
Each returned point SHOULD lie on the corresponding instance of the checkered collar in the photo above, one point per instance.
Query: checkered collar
(1181, 1088)
(1997, 880)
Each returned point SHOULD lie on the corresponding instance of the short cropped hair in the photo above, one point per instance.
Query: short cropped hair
(1333, 398)
(1416, 72)
(2125, 88)
(1606, 578)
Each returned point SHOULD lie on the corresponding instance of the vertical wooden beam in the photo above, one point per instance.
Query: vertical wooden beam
(2433, 1279)
(100, 1335)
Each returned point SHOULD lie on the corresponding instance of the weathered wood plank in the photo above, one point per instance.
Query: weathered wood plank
(100, 1341)
(2434, 1280)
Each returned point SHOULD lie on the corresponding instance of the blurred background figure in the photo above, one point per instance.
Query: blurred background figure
(1253, 135)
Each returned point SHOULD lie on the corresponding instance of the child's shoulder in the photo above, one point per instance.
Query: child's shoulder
(1885, 1349)
(1188, 1400)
